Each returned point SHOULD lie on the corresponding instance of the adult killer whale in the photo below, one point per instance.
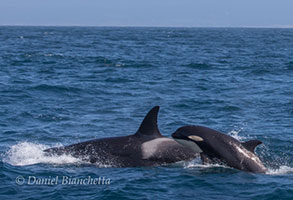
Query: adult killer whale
(217, 147)
(147, 147)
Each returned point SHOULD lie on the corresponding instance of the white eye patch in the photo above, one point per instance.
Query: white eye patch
(195, 138)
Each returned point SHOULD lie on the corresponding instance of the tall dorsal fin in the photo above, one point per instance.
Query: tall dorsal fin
(251, 144)
(149, 125)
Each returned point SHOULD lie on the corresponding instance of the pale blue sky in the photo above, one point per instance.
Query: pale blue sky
(189, 13)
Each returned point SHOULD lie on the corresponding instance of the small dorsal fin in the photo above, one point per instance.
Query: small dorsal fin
(251, 144)
(149, 125)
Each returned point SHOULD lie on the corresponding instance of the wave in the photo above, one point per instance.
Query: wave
(202, 66)
(281, 170)
(235, 134)
(27, 153)
(198, 165)
(289, 65)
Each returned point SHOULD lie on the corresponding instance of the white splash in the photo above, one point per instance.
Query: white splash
(198, 165)
(27, 153)
(280, 171)
(235, 134)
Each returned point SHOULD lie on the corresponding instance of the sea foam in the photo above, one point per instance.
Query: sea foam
(27, 153)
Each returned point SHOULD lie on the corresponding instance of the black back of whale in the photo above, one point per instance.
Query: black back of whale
(147, 147)
(221, 148)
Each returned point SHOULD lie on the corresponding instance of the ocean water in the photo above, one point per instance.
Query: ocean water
(63, 85)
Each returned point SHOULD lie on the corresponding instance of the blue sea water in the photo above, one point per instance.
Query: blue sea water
(63, 85)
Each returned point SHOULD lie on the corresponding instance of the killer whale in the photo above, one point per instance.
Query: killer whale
(217, 147)
(147, 147)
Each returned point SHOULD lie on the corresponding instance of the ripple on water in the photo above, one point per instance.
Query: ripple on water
(69, 84)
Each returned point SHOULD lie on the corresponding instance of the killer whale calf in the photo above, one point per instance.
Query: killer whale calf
(147, 147)
(217, 147)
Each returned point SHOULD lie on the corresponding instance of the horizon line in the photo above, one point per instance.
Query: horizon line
(142, 26)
